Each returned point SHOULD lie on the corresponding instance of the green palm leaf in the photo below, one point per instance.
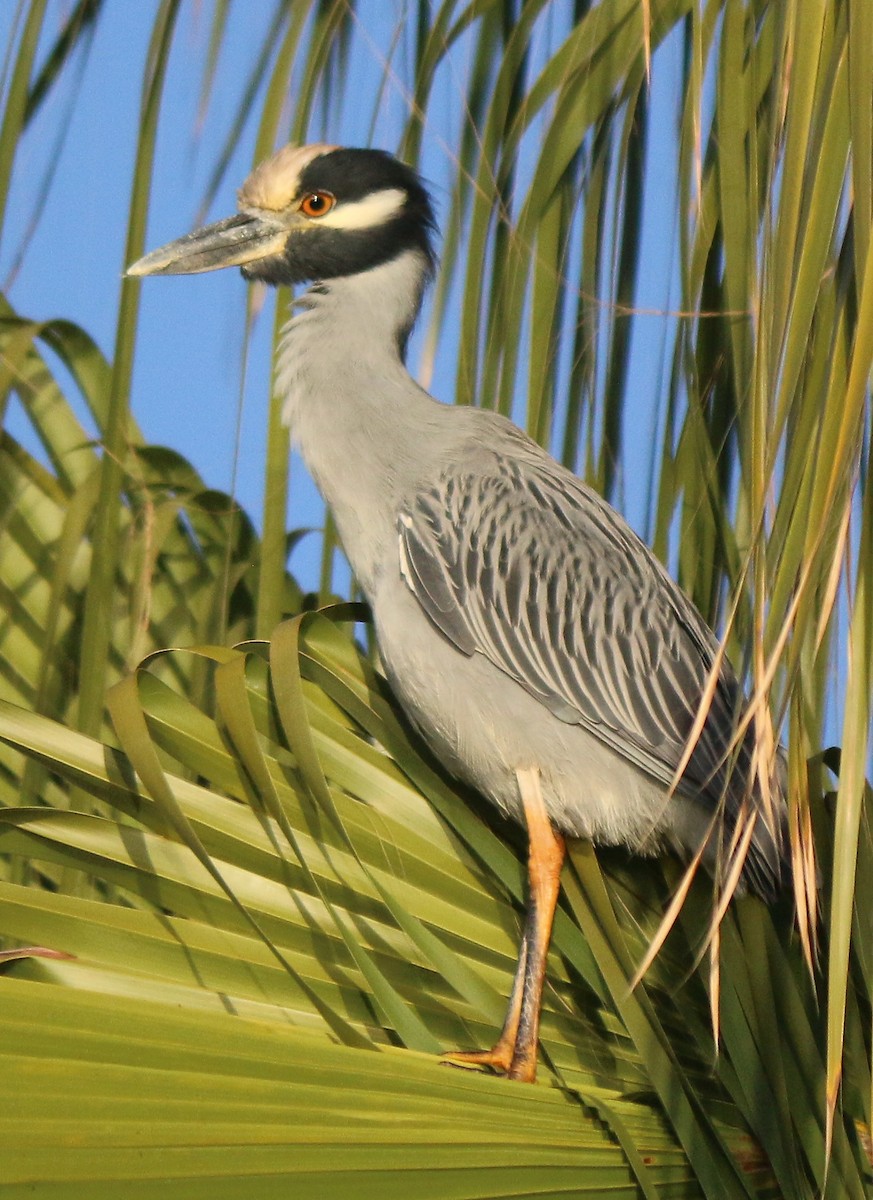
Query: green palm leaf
(356, 911)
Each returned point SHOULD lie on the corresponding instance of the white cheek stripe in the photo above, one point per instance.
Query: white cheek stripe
(361, 214)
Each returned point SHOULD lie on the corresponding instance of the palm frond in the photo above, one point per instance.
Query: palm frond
(275, 861)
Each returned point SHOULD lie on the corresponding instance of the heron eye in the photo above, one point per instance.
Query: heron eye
(316, 204)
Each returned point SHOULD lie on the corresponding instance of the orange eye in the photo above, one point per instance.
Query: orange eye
(316, 204)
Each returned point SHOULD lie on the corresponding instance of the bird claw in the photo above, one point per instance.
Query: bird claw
(498, 1059)
(515, 1062)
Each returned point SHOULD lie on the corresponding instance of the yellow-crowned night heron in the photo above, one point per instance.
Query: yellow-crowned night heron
(536, 643)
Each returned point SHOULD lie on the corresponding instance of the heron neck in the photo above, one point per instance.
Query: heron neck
(358, 418)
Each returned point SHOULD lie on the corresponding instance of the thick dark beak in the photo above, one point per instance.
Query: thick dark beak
(232, 242)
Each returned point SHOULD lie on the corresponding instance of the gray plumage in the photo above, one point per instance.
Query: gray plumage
(521, 622)
(516, 559)
(492, 570)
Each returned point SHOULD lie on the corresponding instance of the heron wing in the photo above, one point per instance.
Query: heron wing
(524, 564)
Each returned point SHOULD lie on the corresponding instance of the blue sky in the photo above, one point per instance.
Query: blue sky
(188, 391)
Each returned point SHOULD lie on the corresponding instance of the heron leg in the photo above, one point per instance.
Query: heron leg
(546, 851)
(515, 1051)
(499, 1057)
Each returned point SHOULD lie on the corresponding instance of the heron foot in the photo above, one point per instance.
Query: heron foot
(515, 1061)
(498, 1058)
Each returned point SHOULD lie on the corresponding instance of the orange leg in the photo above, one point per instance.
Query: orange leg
(499, 1057)
(545, 860)
(515, 1051)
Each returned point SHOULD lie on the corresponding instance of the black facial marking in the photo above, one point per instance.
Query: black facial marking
(318, 253)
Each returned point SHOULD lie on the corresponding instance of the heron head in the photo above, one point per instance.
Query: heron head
(309, 212)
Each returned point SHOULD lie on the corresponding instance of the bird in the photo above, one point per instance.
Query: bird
(542, 651)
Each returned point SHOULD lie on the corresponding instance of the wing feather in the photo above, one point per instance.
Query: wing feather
(524, 564)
